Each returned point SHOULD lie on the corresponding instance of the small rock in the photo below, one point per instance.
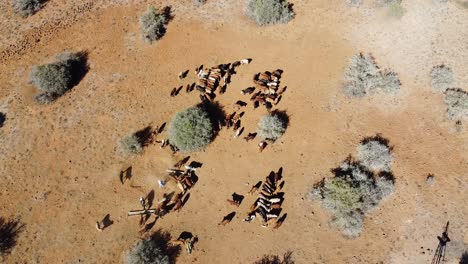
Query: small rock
(430, 179)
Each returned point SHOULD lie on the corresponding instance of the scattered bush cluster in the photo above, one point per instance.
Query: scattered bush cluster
(273, 259)
(267, 12)
(26, 8)
(191, 129)
(8, 234)
(154, 22)
(457, 103)
(55, 79)
(363, 76)
(272, 126)
(357, 186)
(394, 7)
(131, 144)
(441, 77)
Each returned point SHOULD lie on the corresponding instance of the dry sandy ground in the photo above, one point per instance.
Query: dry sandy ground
(60, 165)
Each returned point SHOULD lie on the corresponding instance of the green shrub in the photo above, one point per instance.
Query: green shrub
(272, 126)
(375, 154)
(267, 12)
(441, 77)
(154, 22)
(147, 252)
(191, 129)
(55, 79)
(457, 103)
(131, 144)
(26, 8)
(363, 76)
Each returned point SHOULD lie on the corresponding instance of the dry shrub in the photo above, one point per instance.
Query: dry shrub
(363, 76)
(154, 22)
(441, 77)
(267, 12)
(457, 103)
(55, 79)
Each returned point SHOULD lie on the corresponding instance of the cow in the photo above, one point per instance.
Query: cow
(255, 188)
(262, 145)
(227, 219)
(183, 74)
(178, 90)
(282, 90)
(241, 103)
(238, 116)
(255, 95)
(238, 132)
(222, 90)
(248, 90)
(264, 76)
(236, 63)
(173, 92)
(237, 125)
(187, 88)
(200, 88)
(181, 162)
(250, 136)
(245, 61)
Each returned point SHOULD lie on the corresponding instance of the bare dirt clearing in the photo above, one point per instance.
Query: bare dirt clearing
(60, 164)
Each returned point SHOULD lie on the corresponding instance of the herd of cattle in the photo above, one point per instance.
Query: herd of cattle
(267, 206)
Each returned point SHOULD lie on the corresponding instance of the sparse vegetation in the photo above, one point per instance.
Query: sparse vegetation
(356, 188)
(354, 2)
(8, 234)
(26, 8)
(274, 259)
(457, 103)
(267, 12)
(191, 129)
(154, 22)
(131, 144)
(55, 79)
(363, 76)
(395, 9)
(441, 77)
(199, 2)
(272, 126)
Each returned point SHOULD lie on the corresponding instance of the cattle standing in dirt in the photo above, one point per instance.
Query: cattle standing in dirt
(173, 92)
(255, 188)
(227, 219)
(250, 136)
(262, 145)
(248, 90)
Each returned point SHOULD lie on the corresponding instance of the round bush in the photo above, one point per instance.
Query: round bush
(58, 77)
(375, 155)
(272, 126)
(441, 77)
(147, 252)
(130, 144)
(191, 129)
(266, 12)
